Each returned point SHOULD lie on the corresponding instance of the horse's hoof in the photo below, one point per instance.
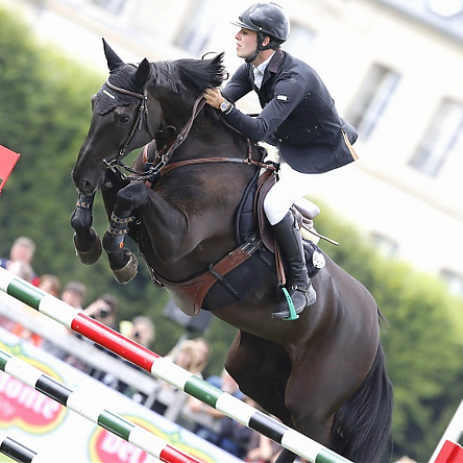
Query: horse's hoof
(93, 254)
(129, 271)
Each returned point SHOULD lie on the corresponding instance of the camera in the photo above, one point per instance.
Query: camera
(104, 312)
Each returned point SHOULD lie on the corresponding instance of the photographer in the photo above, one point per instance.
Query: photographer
(104, 310)
(142, 331)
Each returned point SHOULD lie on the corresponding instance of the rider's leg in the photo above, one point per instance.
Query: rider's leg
(276, 205)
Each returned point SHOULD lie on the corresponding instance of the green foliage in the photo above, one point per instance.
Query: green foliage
(45, 114)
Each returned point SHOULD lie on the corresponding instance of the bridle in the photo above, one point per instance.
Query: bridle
(151, 153)
(142, 116)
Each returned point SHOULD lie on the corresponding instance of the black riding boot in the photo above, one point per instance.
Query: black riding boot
(298, 282)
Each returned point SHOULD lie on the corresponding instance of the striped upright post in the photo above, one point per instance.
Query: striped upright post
(92, 409)
(17, 451)
(167, 371)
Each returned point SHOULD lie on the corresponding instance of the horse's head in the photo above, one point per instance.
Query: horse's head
(123, 119)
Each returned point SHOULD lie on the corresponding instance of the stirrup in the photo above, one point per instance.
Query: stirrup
(292, 311)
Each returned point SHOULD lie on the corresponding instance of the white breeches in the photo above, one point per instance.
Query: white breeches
(289, 190)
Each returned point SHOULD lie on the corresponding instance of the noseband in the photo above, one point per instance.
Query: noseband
(142, 119)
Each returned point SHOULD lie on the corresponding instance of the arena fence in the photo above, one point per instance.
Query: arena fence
(17, 451)
(167, 371)
(91, 408)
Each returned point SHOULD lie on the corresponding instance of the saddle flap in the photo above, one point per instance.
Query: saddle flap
(264, 183)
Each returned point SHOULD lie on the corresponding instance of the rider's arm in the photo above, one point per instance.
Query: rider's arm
(287, 95)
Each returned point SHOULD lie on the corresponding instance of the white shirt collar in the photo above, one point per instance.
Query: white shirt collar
(260, 70)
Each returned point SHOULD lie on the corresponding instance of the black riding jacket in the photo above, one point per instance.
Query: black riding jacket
(299, 115)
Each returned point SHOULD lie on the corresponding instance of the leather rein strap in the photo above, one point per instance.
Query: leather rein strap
(150, 152)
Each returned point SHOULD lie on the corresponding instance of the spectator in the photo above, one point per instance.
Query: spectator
(22, 270)
(260, 448)
(142, 331)
(74, 294)
(23, 249)
(203, 351)
(234, 437)
(185, 356)
(50, 284)
(104, 310)
(227, 384)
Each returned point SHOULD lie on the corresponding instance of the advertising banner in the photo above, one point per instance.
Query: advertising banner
(61, 435)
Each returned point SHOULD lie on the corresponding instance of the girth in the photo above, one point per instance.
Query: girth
(189, 295)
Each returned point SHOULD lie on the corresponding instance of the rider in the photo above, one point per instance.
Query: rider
(299, 117)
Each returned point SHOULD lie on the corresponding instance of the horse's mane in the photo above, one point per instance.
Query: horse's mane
(188, 77)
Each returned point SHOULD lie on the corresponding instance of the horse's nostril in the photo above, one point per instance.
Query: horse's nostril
(84, 186)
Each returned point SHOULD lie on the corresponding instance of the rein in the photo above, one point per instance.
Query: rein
(162, 166)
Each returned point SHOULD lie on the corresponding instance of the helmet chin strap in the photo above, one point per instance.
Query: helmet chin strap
(259, 48)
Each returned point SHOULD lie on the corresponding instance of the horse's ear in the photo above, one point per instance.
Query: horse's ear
(143, 74)
(112, 58)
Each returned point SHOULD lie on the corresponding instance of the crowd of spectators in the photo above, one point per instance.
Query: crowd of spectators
(190, 354)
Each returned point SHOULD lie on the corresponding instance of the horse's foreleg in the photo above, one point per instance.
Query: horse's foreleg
(86, 241)
(122, 261)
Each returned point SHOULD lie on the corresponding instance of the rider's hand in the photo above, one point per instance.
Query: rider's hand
(213, 97)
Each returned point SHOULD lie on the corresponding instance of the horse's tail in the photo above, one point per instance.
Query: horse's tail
(362, 425)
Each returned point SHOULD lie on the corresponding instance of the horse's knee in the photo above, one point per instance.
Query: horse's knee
(130, 197)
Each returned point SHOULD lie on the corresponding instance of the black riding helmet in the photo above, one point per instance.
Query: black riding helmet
(267, 19)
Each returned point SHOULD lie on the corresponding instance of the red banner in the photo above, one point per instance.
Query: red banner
(8, 160)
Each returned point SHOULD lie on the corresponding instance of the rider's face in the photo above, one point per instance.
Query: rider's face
(246, 43)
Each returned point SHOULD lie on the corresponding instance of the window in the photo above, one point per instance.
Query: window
(299, 41)
(441, 136)
(376, 92)
(386, 246)
(199, 26)
(454, 281)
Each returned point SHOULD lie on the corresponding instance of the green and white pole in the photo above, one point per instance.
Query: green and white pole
(17, 451)
(91, 406)
(167, 371)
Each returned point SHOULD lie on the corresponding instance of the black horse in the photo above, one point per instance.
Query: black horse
(323, 374)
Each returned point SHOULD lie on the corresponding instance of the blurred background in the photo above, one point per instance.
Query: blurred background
(395, 69)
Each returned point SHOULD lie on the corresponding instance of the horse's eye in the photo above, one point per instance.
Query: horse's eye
(124, 119)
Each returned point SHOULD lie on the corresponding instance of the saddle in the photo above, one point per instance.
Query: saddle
(189, 295)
